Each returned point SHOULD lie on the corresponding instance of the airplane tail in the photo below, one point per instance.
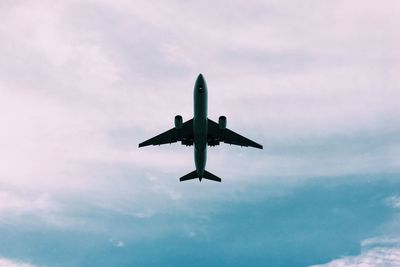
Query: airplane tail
(206, 175)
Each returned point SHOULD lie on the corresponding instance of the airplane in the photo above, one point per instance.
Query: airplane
(200, 132)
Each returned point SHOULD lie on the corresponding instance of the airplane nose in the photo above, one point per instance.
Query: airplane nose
(200, 78)
(200, 83)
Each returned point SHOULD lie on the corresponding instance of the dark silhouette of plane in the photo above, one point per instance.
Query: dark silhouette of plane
(201, 132)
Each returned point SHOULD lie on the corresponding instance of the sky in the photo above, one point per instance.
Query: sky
(82, 83)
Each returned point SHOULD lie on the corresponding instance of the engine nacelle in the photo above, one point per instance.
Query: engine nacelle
(222, 122)
(178, 122)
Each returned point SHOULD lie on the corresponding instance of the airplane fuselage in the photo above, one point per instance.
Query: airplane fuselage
(200, 125)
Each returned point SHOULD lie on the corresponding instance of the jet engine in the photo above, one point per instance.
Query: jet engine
(222, 122)
(178, 122)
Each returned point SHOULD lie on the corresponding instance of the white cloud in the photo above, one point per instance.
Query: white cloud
(83, 82)
(381, 242)
(117, 243)
(378, 257)
(39, 207)
(11, 263)
(376, 252)
(77, 77)
(393, 201)
(14, 203)
(145, 214)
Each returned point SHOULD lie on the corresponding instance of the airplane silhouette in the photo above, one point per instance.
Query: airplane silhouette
(201, 132)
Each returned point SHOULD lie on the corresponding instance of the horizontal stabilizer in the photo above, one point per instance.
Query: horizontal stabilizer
(206, 175)
(210, 176)
(189, 176)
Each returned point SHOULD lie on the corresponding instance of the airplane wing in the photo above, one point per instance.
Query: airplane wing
(173, 135)
(228, 136)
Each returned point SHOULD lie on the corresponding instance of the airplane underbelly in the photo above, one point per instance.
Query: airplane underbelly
(200, 144)
(200, 159)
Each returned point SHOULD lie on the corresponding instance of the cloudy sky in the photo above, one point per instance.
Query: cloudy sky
(83, 82)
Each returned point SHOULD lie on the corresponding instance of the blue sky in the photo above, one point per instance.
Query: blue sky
(83, 82)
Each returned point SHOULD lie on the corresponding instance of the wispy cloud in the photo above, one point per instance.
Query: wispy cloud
(117, 243)
(11, 263)
(382, 251)
(393, 201)
(41, 209)
(14, 203)
(96, 78)
(388, 257)
(92, 69)
(83, 82)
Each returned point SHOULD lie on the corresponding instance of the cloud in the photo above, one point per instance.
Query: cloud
(372, 258)
(315, 83)
(11, 263)
(16, 207)
(95, 71)
(393, 201)
(117, 243)
(375, 252)
(381, 242)
(83, 82)
(14, 203)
